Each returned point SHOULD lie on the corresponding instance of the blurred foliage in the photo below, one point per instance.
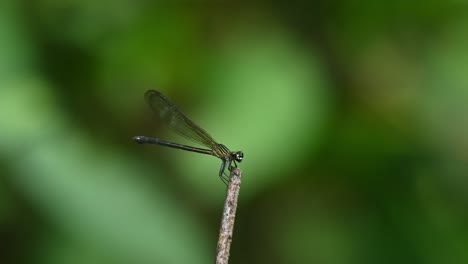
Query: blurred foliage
(352, 118)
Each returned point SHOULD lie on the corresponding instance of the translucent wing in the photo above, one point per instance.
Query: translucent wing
(177, 121)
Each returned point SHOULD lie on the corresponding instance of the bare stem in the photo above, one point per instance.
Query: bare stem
(229, 215)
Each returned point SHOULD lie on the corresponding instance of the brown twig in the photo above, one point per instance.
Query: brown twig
(229, 215)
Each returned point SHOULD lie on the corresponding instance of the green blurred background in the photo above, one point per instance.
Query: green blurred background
(352, 117)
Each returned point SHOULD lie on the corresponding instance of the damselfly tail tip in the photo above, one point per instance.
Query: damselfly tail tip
(139, 139)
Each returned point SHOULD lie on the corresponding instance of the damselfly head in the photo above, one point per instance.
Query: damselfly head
(238, 155)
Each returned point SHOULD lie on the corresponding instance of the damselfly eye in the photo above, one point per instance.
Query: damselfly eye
(239, 156)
